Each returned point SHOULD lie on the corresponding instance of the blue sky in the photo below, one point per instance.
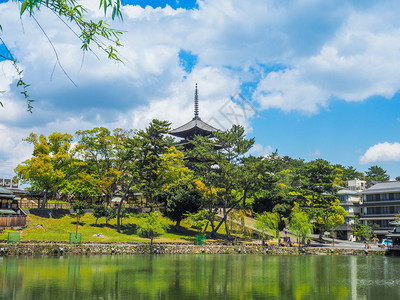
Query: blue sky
(186, 4)
(313, 79)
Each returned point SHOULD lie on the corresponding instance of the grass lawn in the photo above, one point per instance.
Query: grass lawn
(59, 227)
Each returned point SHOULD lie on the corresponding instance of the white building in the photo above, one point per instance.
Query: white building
(356, 185)
(350, 200)
(380, 204)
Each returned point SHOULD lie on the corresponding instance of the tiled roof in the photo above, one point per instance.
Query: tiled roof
(196, 124)
(6, 193)
(383, 187)
(4, 190)
(346, 192)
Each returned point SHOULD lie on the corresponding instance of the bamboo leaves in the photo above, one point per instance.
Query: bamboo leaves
(89, 32)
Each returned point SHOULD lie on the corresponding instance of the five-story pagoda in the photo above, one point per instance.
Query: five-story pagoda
(194, 127)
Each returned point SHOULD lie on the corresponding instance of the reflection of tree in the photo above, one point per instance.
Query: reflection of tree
(74, 272)
(199, 277)
(14, 280)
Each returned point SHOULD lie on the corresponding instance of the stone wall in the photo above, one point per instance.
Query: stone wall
(120, 249)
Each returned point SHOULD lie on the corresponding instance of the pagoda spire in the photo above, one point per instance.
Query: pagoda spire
(194, 127)
(196, 104)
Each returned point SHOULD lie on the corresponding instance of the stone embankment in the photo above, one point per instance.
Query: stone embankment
(30, 249)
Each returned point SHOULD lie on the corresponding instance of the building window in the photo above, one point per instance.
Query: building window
(387, 210)
(379, 223)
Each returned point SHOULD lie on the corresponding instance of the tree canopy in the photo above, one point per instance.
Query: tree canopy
(48, 166)
(376, 173)
(213, 179)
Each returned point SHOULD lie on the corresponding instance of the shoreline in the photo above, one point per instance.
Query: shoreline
(57, 248)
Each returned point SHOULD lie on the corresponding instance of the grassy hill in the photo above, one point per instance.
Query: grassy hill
(58, 228)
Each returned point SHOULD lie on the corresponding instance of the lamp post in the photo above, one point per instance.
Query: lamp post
(77, 221)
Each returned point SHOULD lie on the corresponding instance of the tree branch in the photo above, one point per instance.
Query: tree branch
(55, 51)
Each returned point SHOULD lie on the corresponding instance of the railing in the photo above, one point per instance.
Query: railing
(48, 205)
(28, 205)
(377, 215)
(394, 247)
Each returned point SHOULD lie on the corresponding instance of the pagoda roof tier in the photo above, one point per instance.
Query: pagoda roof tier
(195, 127)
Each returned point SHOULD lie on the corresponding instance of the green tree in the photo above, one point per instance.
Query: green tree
(79, 208)
(172, 167)
(269, 194)
(182, 198)
(219, 163)
(267, 224)
(71, 13)
(104, 161)
(99, 211)
(198, 220)
(376, 173)
(327, 218)
(314, 191)
(111, 213)
(132, 156)
(363, 232)
(350, 173)
(318, 178)
(153, 144)
(152, 225)
(123, 213)
(50, 159)
(300, 225)
(79, 183)
(152, 162)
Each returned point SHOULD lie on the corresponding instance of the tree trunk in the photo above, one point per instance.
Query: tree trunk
(228, 235)
(119, 223)
(213, 231)
(229, 210)
(150, 203)
(206, 227)
(244, 199)
(44, 199)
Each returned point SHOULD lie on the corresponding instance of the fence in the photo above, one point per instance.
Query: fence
(200, 240)
(13, 238)
(75, 238)
(28, 205)
(12, 221)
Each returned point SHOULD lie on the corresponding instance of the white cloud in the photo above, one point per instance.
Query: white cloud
(360, 60)
(317, 152)
(213, 84)
(326, 50)
(288, 91)
(12, 150)
(381, 152)
(260, 150)
(7, 74)
(351, 54)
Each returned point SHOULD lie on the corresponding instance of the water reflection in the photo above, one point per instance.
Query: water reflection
(200, 277)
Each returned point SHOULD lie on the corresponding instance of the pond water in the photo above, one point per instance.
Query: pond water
(200, 277)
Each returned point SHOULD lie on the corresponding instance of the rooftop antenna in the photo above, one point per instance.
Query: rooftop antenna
(196, 104)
